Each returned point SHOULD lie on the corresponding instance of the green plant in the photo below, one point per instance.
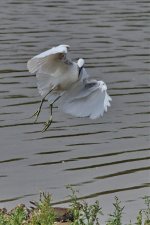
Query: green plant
(115, 218)
(83, 213)
(147, 210)
(89, 213)
(3, 220)
(43, 214)
(143, 216)
(16, 217)
(139, 218)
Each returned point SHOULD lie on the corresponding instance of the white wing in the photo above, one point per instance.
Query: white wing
(48, 57)
(87, 99)
(51, 69)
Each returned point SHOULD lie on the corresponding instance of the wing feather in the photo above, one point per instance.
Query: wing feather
(50, 66)
(85, 101)
(47, 57)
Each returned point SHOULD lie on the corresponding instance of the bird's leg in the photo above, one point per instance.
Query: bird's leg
(50, 120)
(36, 114)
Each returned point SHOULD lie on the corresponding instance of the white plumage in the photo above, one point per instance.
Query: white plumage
(58, 75)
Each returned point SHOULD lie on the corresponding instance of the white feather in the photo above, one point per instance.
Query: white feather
(85, 101)
(50, 56)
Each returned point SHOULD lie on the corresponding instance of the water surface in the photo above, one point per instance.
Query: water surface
(102, 158)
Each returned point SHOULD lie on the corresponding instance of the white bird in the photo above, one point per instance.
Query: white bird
(60, 79)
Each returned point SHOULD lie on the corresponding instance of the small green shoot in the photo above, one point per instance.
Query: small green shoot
(139, 218)
(43, 214)
(16, 217)
(115, 218)
(147, 210)
(83, 213)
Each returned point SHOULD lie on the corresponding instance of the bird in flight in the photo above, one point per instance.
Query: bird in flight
(67, 82)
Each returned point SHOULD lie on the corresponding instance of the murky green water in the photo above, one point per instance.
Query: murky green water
(102, 158)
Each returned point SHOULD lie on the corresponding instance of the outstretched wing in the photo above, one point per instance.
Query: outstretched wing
(49, 66)
(46, 60)
(87, 99)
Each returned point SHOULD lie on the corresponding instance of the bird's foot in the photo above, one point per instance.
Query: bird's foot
(36, 115)
(47, 124)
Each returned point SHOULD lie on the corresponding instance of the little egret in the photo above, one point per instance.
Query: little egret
(67, 82)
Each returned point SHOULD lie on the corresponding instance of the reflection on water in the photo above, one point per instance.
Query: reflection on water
(101, 158)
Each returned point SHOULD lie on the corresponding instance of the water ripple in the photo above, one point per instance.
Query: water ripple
(107, 164)
(113, 38)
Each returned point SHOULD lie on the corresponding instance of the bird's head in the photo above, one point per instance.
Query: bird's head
(80, 64)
